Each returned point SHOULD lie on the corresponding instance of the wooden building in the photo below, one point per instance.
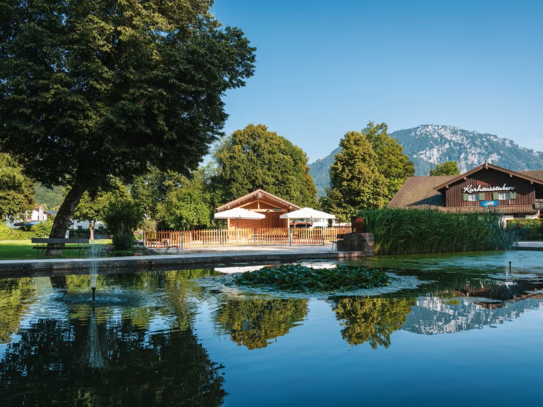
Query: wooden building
(262, 202)
(515, 194)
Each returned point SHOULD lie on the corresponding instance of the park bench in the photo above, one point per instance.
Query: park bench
(42, 243)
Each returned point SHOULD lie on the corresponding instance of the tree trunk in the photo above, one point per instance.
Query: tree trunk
(91, 230)
(63, 219)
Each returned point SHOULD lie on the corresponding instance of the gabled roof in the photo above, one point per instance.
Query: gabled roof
(259, 194)
(534, 174)
(420, 192)
(486, 166)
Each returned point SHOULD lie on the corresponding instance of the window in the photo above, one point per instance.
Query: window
(473, 197)
(503, 196)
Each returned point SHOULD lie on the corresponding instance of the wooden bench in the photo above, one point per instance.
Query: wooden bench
(42, 244)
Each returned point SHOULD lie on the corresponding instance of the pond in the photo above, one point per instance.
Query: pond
(468, 334)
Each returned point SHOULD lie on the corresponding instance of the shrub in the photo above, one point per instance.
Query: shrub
(123, 216)
(411, 231)
(526, 229)
(43, 229)
(101, 233)
(123, 241)
(14, 234)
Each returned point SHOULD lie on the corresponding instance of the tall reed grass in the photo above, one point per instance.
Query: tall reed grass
(412, 231)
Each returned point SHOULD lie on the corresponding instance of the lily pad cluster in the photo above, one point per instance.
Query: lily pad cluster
(298, 278)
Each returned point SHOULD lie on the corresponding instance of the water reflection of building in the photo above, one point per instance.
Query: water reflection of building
(433, 315)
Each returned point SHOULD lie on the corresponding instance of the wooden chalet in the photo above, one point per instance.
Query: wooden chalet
(262, 202)
(515, 194)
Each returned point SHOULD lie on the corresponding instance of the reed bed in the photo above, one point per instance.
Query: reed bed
(414, 231)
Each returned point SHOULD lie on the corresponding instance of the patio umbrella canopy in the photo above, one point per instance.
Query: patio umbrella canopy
(307, 213)
(238, 213)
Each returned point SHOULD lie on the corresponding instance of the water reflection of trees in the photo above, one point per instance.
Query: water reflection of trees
(371, 320)
(253, 322)
(15, 296)
(49, 365)
(113, 354)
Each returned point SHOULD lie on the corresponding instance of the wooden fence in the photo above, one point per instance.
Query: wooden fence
(241, 237)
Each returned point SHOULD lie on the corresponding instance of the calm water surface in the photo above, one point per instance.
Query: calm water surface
(471, 335)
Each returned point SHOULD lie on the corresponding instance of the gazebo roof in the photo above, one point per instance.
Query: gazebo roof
(258, 195)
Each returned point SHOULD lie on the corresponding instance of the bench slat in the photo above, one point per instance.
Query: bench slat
(46, 240)
(63, 248)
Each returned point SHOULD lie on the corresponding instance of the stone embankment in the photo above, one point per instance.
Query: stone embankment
(185, 259)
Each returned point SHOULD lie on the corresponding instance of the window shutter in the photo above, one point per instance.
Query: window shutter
(495, 196)
(465, 197)
(512, 195)
(482, 196)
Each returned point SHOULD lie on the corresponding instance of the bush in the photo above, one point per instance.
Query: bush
(412, 231)
(101, 233)
(14, 234)
(526, 229)
(43, 229)
(123, 216)
(123, 241)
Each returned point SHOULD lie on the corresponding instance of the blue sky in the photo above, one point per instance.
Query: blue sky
(324, 67)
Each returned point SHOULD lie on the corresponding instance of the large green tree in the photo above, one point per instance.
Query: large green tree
(446, 168)
(101, 88)
(16, 190)
(255, 158)
(187, 203)
(392, 162)
(92, 208)
(355, 179)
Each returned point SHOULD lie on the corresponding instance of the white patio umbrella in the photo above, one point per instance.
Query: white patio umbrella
(238, 213)
(306, 213)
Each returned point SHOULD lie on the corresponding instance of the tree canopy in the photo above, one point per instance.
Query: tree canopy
(255, 158)
(446, 168)
(392, 162)
(355, 179)
(16, 190)
(188, 204)
(103, 88)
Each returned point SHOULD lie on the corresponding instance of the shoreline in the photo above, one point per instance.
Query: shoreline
(41, 267)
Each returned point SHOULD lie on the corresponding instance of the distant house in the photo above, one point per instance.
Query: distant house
(32, 218)
(514, 194)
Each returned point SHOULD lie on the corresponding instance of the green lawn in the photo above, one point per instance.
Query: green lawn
(22, 250)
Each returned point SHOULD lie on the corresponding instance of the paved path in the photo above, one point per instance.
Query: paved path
(529, 246)
(185, 259)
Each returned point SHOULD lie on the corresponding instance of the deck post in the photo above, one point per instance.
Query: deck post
(255, 237)
(323, 230)
(289, 234)
(181, 239)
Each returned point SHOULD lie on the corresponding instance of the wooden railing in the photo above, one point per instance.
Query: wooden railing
(241, 237)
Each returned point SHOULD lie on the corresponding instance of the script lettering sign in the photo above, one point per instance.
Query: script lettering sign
(470, 189)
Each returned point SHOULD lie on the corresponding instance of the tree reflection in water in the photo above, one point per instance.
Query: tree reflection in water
(371, 320)
(253, 322)
(114, 355)
(15, 296)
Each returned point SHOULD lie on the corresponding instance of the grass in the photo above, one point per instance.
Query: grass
(22, 250)
(413, 231)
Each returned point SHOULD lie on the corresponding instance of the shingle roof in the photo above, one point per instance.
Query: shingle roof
(420, 192)
(258, 194)
(534, 174)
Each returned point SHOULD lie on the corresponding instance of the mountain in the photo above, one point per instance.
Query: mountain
(429, 145)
